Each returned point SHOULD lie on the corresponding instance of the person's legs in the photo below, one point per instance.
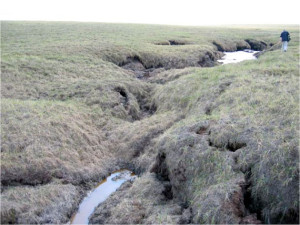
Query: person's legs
(284, 45)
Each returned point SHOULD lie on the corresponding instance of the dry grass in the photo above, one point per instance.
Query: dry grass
(51, 203)
(46, 139)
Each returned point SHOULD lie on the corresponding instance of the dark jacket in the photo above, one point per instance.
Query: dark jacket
(285, 36)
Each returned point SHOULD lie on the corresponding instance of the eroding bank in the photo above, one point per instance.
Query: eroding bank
(208, 59)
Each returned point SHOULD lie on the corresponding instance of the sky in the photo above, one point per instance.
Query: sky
(173, 12)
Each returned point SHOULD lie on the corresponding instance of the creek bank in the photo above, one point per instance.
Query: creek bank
(233, 52)
(136, 65)
(104, 189)
(162, 75)
(231, 46)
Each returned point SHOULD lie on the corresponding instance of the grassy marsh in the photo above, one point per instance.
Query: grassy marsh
(211, 145)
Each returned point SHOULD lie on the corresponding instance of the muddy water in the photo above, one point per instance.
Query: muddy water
(100, 194)
(238, 56)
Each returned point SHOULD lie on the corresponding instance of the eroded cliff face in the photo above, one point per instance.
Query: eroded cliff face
(210, 143)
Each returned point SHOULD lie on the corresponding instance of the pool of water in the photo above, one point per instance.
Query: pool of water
(104, 189)
(238, 56)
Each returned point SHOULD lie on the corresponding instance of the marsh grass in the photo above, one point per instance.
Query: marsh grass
(71, 114)
(52, 203)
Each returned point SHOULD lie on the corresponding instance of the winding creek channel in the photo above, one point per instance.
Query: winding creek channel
(109, 185)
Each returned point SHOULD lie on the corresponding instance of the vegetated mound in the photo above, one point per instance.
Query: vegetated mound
(210, 145)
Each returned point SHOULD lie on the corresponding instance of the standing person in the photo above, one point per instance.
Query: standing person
(285, 38)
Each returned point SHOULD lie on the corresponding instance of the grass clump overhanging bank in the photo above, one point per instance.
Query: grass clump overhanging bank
(211, 145)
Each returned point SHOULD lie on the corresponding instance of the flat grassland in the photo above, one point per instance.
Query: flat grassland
(211, 143)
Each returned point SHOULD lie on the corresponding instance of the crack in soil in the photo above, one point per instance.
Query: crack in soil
(243, 203)
(160, 168)
(123, 96)
(230, 145)
(253, 212)
(202, 130)
(147, 108)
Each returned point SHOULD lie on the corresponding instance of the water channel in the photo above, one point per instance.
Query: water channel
(238, 56)
(103, 190)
